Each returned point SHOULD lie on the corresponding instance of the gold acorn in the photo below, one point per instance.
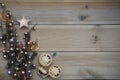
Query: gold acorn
(34, 46)
(6, 15)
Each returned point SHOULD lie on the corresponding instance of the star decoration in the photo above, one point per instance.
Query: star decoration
(23, 22)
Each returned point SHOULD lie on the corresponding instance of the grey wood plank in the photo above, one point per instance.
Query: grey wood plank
(81, 65)
(76, 37)
(64, 3)
(68, 15)
(76, 64)
(66, 0)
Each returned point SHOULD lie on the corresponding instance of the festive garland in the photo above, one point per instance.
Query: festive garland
(19, 56)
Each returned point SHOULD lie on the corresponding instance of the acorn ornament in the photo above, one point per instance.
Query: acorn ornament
(6, 15)
(17, 53)
(34, 46)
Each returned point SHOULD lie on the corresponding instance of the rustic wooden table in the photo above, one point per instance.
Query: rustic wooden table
(85, 34)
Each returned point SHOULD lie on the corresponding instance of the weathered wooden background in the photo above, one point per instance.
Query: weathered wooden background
(69, 27)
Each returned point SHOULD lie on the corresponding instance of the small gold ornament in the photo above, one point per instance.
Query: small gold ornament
(34, 46)
(6, 15)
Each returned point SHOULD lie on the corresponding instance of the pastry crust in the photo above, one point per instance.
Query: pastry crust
(45, 59)
(55, 71)
(43, 72)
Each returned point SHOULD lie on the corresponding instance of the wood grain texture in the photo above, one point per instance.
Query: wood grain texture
(76, 37)
(81, 65)
(64, 3)
(64, 0)
(62, 28)
(68, 15)
(59, 14)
